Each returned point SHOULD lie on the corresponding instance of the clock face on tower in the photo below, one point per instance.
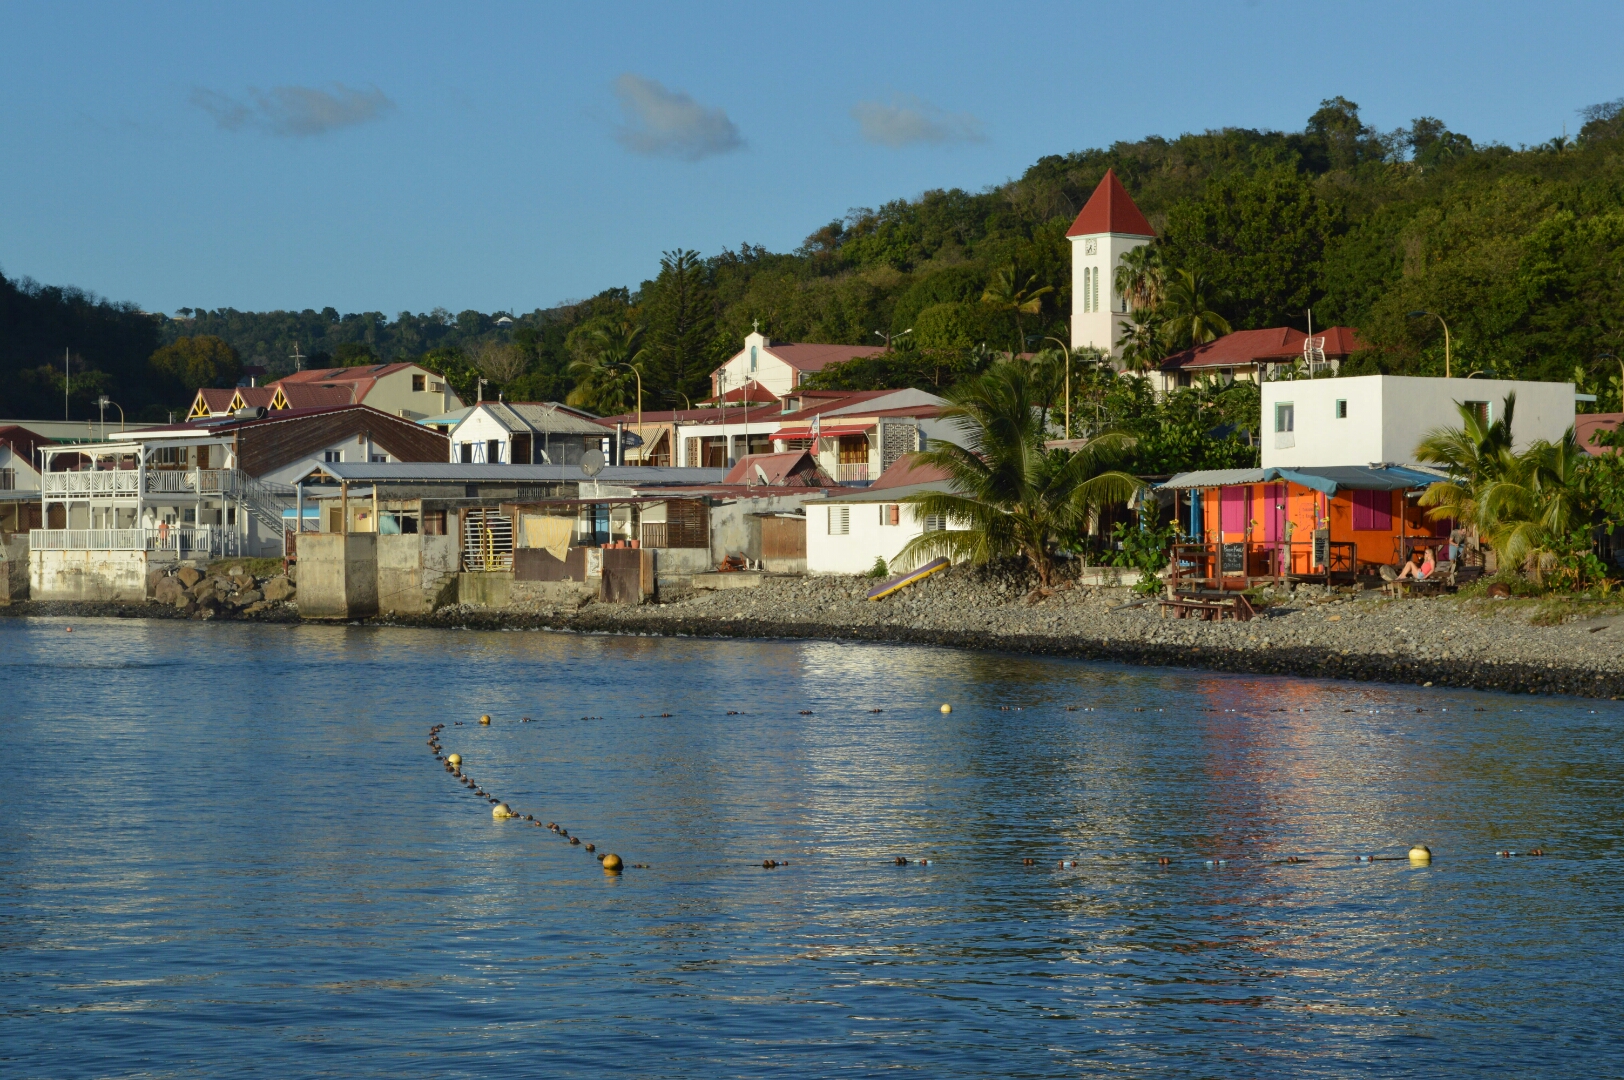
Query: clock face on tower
(1091, 247)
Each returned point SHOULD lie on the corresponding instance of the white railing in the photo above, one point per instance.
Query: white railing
(847, 473)
(99, 484)
(189, 481)
(180, 539)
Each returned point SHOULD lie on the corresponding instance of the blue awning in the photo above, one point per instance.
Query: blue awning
(1329, 479)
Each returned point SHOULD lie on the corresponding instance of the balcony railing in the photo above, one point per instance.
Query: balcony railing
(851, 473)
(126, 484)
(180, 539)
(99, 484)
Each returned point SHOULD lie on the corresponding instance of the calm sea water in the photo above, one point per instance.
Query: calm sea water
(227, 850)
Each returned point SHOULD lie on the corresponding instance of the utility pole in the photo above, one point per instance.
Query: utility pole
(67, 380)
(298, 361)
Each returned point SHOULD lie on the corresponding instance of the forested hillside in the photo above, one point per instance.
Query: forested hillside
(1519, 249)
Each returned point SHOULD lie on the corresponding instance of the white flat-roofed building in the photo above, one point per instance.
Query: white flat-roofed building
(1366, 419)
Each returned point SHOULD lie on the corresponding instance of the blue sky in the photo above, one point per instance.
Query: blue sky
(392, 156)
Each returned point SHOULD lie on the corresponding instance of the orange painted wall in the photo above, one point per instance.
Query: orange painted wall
(1304, 507)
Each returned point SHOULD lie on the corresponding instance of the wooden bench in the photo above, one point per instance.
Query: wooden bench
(1235, 608)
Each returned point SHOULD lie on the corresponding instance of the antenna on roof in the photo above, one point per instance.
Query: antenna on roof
(298, 361)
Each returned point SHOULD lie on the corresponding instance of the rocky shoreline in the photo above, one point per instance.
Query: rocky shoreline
(1523, 647)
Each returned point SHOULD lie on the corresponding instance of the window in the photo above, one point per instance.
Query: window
(493, 451)
(434, 522)
(1232, 508)
(1096, 290)
(436, 388)
(890, 514)
(839, 520)
(419, 383)
(935, 522)
(1285, 417)
(1479, 409)
(379, 457)
(8, 479)
(1341, 408)
(752, 358)
(467, 456)
(331, 456)
(1088, 274)
(1372, 511)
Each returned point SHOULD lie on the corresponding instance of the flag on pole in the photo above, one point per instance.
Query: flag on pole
(817, 426)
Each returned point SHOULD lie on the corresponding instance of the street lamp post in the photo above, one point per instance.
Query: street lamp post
(639, 377)
(1067, 350)
(1440, 318)
(102, 403)
(887, 337)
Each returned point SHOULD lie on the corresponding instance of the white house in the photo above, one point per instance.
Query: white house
(846, 533)
(528, 433)
(1108, 227)
(780, 367)
(1367, 419)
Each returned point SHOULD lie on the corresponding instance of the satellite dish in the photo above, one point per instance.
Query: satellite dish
(592, 462)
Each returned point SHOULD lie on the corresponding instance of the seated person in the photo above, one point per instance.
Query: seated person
(1420, 566)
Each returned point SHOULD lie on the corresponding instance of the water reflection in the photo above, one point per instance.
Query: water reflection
(229, 844)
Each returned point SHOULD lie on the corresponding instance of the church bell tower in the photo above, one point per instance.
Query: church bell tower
(1109, 227)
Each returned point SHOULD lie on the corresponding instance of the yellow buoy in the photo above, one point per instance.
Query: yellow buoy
(500, 811)
(486, 719)
(947, 708)
(1420, 853)
(612, 864)
(455, 761)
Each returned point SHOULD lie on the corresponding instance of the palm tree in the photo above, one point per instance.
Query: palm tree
(1014, 496)
(1474, 454)
(603, 369)
(1006, 293)
(1144, 339)
(1187, 305)
(1139, 277)
(1533, 506)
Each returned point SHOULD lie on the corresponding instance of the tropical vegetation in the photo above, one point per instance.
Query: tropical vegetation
(1516, 247)
(1012, 496)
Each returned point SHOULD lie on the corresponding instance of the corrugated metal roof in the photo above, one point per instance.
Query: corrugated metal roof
(1329, 478)
(891, 495)
(1205, 478)
(406, 472)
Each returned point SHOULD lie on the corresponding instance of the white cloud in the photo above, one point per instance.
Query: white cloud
(907, 120)
(294, 110)
(670, 123)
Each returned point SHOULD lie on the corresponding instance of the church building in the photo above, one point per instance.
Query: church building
(1109, 227)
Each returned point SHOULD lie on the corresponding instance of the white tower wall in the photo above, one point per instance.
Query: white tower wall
(1098, 326)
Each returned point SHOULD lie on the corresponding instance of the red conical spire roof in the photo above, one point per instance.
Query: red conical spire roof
(1110, 210)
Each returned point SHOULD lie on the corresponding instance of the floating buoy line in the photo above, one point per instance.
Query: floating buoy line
(1418, 855)
(501, 811)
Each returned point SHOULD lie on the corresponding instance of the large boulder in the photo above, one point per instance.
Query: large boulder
(247, 596)
(168, 590)
(278, 589)
(242, 581)
(189, 576)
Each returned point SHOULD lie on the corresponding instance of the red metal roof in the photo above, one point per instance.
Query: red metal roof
(792, 468)
(808, 357)
(23, 442)
(906, 471)
(1587, 424)
(1110, 210)
(1275, 344)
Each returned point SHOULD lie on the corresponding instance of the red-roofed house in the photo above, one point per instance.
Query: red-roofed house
(780, 367)
(1251, 354)
(1108, 227)
(405, 390)
(19, 481)
(792, 468)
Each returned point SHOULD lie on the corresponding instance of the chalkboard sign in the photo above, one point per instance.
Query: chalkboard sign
(1322, 547)
(1234, 558)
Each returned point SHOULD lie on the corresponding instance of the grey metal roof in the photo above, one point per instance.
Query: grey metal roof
(445, 472)
(542, 417)
(1327, 478)
(1205, 478)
